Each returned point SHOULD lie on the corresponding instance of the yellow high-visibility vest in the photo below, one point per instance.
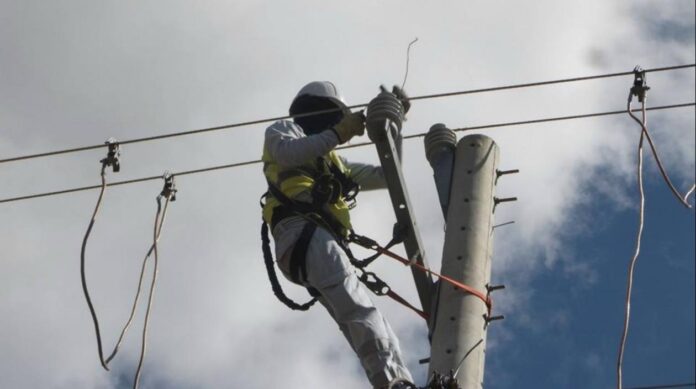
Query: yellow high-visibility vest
(293, 181)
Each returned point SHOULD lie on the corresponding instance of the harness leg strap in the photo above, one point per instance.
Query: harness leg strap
(298, 258)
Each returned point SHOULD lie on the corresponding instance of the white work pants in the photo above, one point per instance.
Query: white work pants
(342, 294)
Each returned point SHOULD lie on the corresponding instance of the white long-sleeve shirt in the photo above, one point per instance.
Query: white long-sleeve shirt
(288, 145)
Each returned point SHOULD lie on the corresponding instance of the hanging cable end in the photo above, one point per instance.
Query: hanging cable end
(113, 155)
(169, 190)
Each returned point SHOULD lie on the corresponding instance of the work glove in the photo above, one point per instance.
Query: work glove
(352, 124)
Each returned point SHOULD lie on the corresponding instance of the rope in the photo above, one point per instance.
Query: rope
(258, 161)
(275, 284)
(272, 119)
(457, 284)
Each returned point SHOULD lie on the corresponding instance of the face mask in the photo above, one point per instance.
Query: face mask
(315, 124)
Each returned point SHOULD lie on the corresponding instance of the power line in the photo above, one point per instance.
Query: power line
(258, 161)
(666, 386)
(272, 119)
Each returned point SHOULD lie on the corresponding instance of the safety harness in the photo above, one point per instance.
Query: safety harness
(330, 186)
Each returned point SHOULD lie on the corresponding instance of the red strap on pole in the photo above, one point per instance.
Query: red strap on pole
(468, 289)
(395, 296)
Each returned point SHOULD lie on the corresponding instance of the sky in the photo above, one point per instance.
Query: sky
(75, 73)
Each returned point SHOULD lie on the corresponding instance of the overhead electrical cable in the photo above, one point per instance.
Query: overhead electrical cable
(169, 191)
(169, 194)
(363, 144)
(136, 299)
(83, 276)
(639, 89)
(634, 259)
(665, 386)
(272, 119)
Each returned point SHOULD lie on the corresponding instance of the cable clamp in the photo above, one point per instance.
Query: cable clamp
(169, 190)
(113, 155)
(640, 86)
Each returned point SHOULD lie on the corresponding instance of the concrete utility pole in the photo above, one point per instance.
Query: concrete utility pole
(459, 330)
(384, 120)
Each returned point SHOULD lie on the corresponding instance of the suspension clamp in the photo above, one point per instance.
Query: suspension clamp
(169, 190)
(113, 155)
(640, 86)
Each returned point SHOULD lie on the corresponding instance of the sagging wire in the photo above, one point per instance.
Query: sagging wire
(169, 187)
(111, 160)
(169, 193)
(632, 264)
(639, 89)
(408, 60)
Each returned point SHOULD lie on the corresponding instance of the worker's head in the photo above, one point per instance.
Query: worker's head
(317, 96)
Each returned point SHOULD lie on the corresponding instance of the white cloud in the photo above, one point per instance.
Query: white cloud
(79, 72)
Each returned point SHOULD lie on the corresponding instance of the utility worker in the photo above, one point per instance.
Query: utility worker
(307, 206)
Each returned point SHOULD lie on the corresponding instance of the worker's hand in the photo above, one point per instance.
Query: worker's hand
(403, 97)
(352, 124)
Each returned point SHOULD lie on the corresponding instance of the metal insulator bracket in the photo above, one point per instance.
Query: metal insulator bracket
(169, 190)
(493, 288)
(113, 155)
(499, 172)
(499, 200)
(490, 319)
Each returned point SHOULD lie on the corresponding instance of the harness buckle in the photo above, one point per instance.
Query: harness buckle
(374, 283)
